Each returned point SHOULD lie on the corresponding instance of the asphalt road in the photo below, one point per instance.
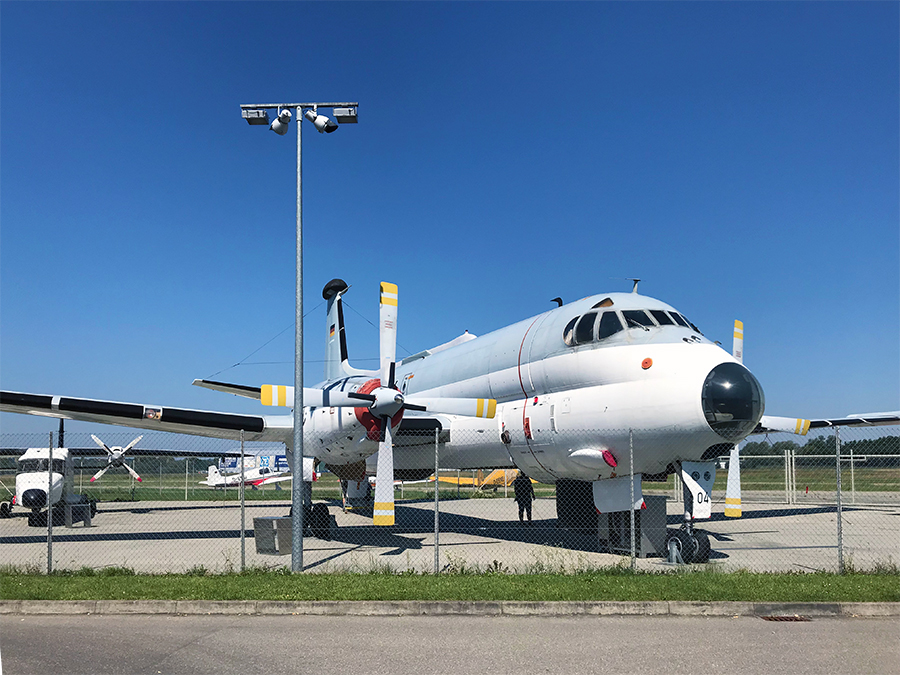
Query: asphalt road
(225, 645)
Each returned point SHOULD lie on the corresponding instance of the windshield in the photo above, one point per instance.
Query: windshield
(637, 317)
(33, 465)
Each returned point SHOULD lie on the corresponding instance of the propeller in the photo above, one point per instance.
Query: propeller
(380, 404)
(389, 403)
(733, 486)
(789, 424)
(116, 457)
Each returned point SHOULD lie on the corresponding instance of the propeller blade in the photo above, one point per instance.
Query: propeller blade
(383, 512)
(101, 444)
(470, 407)
(278, 395)
(791, 425)
(733, 488)
(131, 445)
(388, 332)
(283, 396)
(132, 472)
(100, 472)
(738, 348)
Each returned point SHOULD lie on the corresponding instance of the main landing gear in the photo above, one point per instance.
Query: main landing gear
(316, 521)
(688, 545)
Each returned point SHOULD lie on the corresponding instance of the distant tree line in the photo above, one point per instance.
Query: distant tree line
(876, 450)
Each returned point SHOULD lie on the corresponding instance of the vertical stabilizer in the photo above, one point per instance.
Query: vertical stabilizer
(335, 337)
(336, 357)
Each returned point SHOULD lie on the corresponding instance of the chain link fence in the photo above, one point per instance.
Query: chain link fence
(828, 501)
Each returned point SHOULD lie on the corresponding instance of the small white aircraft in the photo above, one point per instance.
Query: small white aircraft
(252, 477)
(40, 485)
(116, 458)
(562, 396)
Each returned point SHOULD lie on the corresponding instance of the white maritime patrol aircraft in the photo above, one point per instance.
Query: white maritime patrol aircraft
(566, 396)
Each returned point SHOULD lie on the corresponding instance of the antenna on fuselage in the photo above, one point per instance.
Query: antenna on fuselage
(558, 301)
(636, 282)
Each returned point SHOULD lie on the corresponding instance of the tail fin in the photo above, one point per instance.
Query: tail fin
(336, 357)
(213, 474)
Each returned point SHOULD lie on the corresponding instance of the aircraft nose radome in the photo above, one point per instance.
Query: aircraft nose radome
(34, 499)
(733, 401)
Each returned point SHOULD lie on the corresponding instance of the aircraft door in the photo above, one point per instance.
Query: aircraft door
(538, 414)
(519, 429)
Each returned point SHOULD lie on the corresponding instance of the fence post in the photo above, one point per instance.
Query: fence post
(437, 555)
(50, 507)
(840, 533)
(793, 476)
(787, 479)
(631, 507)
(243, 513)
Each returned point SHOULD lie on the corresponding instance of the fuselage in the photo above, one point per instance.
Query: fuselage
(610, 376)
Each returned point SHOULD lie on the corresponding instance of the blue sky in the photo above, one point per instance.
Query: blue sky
(741, 158)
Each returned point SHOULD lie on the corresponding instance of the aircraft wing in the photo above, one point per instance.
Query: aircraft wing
(860, 420)
(800, 426)
(228, 388)
(152, 417)
(273, 479)
(134, 452)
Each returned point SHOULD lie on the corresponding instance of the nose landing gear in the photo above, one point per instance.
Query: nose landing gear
(688, 545)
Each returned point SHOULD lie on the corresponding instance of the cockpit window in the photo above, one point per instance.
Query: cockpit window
(636, 317)
(693, 327)
(661, 317)
(40, 464)
(680, 320)
(609, 325)
(569, 332)
(584, 330)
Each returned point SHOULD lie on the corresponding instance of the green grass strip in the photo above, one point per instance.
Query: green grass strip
(607, 584)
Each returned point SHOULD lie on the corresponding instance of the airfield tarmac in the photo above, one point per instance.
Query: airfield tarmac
(166, 536)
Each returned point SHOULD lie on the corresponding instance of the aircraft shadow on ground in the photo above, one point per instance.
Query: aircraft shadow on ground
(411, 521)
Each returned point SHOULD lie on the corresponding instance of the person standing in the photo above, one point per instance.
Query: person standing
(524, 495)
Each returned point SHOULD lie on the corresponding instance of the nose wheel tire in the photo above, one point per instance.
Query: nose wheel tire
(684, 544)
(5, 510)
(701, 552)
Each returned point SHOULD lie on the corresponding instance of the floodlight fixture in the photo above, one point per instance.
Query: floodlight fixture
(255, 116)
(345, 116)
(280, 125)
(323, 124)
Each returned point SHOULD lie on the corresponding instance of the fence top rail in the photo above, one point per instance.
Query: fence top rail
(846, 456)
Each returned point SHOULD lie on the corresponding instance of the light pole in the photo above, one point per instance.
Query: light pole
(257, 114)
